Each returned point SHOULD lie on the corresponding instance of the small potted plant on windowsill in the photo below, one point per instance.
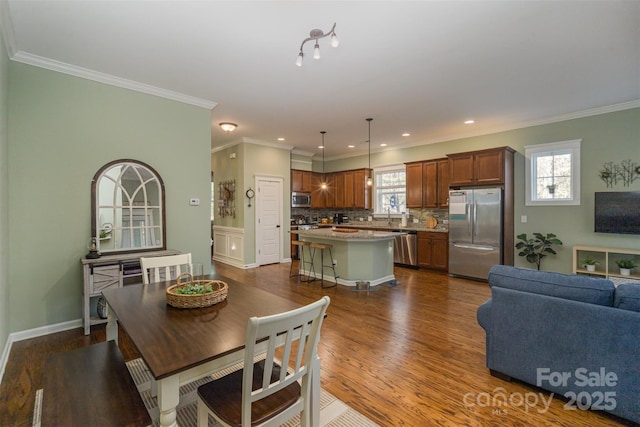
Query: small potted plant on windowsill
(590, 264)
(626, 265)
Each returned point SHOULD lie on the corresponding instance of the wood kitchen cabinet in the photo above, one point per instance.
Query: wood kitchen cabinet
(414, 184)
(318, 194)
(433, 250)
(301, 181)
(351, 189)
(428, 184)
(484, 167)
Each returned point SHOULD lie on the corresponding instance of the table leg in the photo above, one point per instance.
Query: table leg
(168, 399)
(112, 326)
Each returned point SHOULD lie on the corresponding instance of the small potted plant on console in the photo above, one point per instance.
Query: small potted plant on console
(626, 265)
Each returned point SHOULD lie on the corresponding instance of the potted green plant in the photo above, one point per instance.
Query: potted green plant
(626, 265)
(538, 247)
(590, 263)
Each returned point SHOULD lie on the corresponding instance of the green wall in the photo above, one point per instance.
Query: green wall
(4, 195)
(62, 129)
(606, 137)
(251, 160)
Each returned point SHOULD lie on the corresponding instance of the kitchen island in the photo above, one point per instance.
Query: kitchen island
(359, 255)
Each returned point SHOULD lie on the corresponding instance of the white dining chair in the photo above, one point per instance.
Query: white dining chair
(270, 391)
(162, 268)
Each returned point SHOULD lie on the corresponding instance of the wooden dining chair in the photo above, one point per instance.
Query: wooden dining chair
(162, 268)
(270, 391)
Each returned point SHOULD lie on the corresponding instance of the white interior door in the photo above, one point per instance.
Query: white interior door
(268, 220)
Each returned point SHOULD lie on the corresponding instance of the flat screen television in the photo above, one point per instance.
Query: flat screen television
(617, 212)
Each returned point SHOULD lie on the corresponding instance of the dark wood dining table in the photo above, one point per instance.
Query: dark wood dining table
(182, 345)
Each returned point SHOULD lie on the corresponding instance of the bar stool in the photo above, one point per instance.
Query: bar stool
(302, 262)
(323, 247)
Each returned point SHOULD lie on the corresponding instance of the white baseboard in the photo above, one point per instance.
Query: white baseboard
(33, 333)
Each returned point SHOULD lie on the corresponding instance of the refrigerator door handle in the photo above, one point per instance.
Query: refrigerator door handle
(478, 247)
(468, 208)
(475, 217)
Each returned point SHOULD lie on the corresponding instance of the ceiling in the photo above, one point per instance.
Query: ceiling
(421, 67)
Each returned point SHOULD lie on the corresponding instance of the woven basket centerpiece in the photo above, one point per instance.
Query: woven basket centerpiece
(189, 293)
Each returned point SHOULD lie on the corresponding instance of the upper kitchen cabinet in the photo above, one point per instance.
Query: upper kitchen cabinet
(352, 191)
(484, 167)
(428, 184)
(414, 184)
(318, 194)
(301, 181)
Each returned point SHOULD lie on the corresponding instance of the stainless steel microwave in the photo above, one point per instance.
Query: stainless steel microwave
(300, 200)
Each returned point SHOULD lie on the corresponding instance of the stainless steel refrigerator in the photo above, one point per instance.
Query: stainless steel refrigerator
(475, 231)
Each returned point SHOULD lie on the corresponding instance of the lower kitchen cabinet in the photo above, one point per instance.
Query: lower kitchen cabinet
(433, 250)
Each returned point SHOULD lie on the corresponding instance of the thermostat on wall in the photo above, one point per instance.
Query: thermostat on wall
(194, 202)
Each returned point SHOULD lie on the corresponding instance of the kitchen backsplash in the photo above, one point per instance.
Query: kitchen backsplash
(357, 215)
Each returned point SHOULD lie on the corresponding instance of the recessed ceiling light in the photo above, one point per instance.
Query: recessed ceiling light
(383, 145)
(321, 146)
(351, 146)
(406, 134)
(280, 139)
(469, 122)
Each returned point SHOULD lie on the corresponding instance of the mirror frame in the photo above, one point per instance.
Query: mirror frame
(94, 207)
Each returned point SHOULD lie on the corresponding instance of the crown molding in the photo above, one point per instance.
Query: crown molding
(61, 67)
(521, 125)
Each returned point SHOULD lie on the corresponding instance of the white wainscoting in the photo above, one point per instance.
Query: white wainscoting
(228, 245)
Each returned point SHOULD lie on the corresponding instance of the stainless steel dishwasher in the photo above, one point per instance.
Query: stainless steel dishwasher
(405, 248)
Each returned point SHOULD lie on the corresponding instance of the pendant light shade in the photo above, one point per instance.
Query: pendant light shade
(369, 178)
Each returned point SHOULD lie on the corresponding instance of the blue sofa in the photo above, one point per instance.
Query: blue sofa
(576, 336)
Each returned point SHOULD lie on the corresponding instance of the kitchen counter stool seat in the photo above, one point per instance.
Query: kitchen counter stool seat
(303, 261)
(322, 247)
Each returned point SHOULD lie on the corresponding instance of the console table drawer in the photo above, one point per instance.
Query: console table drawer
(103, 277)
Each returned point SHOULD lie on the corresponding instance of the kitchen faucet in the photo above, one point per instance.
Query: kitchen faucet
(389, 216)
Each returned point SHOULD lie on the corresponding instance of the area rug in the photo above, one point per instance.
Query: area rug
(333, 412)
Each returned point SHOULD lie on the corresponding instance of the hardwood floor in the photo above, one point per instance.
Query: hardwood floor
(410, 355)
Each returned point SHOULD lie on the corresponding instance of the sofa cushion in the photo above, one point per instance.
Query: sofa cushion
(568, 286)
(627, 297)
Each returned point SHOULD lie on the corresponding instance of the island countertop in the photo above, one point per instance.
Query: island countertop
(349, 236)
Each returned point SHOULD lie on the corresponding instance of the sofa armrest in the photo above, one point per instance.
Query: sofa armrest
(483, 315)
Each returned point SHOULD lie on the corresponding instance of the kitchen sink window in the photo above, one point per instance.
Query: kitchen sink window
(390, 185)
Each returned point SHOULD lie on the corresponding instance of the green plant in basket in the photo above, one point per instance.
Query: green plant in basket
(626, 263)
(194, 289)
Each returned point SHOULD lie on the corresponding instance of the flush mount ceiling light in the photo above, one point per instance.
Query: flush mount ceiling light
(228, 126)
(316, 35)
(369, 179)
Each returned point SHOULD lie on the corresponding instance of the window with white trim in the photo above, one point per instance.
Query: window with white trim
(552, 175)
(390, 185)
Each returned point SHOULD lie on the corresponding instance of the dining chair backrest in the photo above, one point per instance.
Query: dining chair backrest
(162, 268)
(291, 341)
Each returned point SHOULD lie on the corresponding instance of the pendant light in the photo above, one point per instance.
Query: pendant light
(323, 184)
(369, 178)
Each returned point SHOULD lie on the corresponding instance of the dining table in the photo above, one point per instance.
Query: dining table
(181, 345)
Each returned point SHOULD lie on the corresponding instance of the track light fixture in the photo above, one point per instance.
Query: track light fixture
(316, 35)
(369, 178)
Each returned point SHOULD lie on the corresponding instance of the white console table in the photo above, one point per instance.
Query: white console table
(606, 258)
(106, 272)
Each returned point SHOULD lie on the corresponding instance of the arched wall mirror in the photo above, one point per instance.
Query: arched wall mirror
(127, 208)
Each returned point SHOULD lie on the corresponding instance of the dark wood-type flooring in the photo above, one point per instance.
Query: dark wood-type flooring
(411, 355)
